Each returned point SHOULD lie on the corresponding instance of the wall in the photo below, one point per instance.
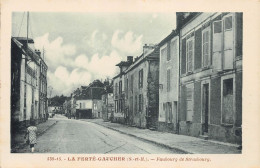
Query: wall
(137, 117)
(172, 95)
(214, 76)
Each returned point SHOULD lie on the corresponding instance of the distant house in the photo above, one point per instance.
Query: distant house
(86, 100)
(107, 101)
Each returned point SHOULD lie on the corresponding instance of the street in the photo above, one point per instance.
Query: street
(74, 136)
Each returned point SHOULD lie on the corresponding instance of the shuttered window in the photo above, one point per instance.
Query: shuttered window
(189, 102)
(168, 80)
(228, 23)
(141, 78)
(189, 52)
(206, 47)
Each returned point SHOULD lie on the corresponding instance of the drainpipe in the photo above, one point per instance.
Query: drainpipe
(179, 87)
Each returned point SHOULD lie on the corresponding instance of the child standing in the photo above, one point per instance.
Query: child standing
(31, 132)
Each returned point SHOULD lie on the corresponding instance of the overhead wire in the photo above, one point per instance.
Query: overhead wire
(20, 25)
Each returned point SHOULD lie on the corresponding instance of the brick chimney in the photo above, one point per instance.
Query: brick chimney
(38, 52)
(147, 48)
(130, 59)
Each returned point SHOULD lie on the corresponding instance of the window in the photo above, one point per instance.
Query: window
(120, 87)
(116, 89)
(206, 47)
(132, 82)
(189, 54)
(141, 78)
(228, 23)
(173, 49)
(223, 43)
(116, 106)
(127, 88)
(189, 102)
(140, 103)
(227, 101)
(169, 112)
(168, 80)
(135, 107)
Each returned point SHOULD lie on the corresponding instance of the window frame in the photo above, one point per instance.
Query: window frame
(141, 76)
(191, 86)
(187, 56)
(207, 29)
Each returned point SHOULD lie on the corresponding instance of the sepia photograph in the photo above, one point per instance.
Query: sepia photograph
(126, 83)
(134, 83)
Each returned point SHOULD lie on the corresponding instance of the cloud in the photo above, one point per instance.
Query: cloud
(68, 70)
(100, 66)
(64, 81)
(56, 53)
(96, 42)
(128, 43)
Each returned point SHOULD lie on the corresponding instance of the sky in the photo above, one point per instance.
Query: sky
(82, 47)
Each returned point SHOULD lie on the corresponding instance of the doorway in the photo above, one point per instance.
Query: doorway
(205, 108)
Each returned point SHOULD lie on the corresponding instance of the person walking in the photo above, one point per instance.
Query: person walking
(31, 135)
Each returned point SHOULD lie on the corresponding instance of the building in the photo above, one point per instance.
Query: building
(136, 89)
(211, 75)
(169, 83)
(107, 106)
(28, 84)
(86, 101)
(43, 105)
(107, 101)
(121, 112)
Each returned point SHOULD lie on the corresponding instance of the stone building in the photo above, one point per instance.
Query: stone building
(28, 84)
(136, 89)
(169, 83)
(107, 101)
(211, 75)
(119, 82)
(86, 101)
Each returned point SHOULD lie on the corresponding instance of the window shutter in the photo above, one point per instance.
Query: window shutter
(217, 45)
(198, 47)
(189, 102)
(228, 43)
(183, 57)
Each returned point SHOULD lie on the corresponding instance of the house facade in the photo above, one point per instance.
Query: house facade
(107, 106)
(169, 83)
(211, 75)
(136, 89)
(43, 105)
(28, 99)
(83, 108)
(120, 113)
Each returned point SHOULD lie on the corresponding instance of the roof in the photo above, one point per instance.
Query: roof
(24, 39)
(123, 63)
(167, 38)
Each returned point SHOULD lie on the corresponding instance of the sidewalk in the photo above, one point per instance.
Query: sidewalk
(186, 144)
(20, 145)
